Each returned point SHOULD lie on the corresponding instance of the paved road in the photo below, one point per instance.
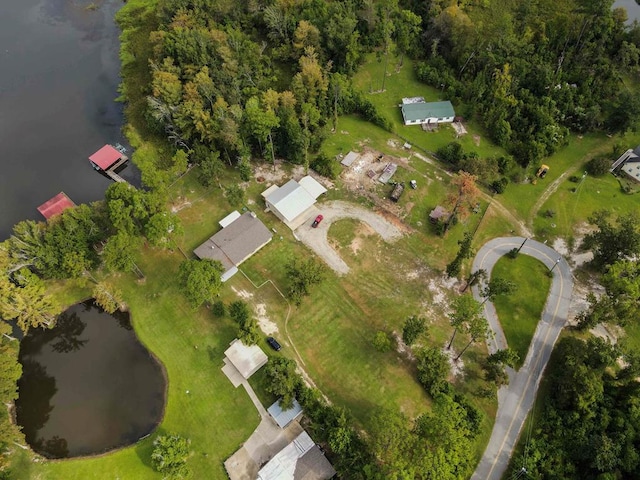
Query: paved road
(515, 401)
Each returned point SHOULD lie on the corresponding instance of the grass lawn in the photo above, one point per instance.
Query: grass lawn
(520, 312)
(215, 416)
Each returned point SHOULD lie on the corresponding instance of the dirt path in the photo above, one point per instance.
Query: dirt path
(316, 238)
(550, 190)
(505, 212)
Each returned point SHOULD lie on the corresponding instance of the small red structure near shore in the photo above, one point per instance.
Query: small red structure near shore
(56, 205)
(104, 158)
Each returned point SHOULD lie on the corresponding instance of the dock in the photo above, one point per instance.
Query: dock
(108, 159)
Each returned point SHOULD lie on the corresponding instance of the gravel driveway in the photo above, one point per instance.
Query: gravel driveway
(316, 238)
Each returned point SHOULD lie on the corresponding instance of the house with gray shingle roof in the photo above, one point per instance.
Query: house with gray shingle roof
(241, 236)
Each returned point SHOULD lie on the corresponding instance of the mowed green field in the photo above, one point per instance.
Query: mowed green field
(520, 312)
(216, 417)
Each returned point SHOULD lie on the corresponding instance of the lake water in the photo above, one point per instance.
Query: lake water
(59, 73)
(633, 9)
(88, 385)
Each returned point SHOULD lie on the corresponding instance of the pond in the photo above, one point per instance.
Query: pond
(88, 385)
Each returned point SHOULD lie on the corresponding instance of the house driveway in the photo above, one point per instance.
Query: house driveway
(263, 444)
(316, 238)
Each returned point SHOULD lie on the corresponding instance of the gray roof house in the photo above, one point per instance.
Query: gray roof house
(284, 417)
(416, 111)
(629, 163)
(302, 459)
(241, 236)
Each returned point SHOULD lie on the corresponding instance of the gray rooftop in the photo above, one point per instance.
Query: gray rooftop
(236, 242)
(284, 417)
(420, 111)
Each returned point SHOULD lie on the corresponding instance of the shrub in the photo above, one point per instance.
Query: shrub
(500, 185)
(245, 170)
(219, 309)
(598, 166)
(169, 456)
(326, 166)
(382, 342)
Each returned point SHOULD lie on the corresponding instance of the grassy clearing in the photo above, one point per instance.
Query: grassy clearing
(215, 416)
(520, 313)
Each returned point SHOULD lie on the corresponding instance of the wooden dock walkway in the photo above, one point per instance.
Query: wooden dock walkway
(111, 171)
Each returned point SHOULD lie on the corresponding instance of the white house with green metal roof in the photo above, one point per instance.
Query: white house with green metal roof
(415, 111)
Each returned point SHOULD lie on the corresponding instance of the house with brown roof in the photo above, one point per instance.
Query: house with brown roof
(241, 236)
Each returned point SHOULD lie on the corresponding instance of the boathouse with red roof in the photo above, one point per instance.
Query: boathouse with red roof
(56, 205)
(105, 158)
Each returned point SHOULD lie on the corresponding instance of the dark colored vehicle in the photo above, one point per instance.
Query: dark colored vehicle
(317, 221)
(273, 343)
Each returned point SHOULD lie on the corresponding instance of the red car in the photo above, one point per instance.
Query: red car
(317, 221)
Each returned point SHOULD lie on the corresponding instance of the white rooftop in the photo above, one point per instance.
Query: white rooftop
(246, 358)
(283, 465)
(312, 186)
(229, 219)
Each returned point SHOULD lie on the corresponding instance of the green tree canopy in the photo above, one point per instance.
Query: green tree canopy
(200, 280)
(169, 456)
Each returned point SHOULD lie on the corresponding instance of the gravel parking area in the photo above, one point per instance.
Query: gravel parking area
(316, 238)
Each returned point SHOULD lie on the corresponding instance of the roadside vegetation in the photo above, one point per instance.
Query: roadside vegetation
(220, 95)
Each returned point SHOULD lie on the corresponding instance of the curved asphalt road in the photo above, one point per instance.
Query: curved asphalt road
(515, 400)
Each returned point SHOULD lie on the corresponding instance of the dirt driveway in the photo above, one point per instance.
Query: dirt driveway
(316, 238)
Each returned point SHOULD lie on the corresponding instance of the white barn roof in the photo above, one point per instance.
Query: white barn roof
(283, 465)
(291, 200)
(246, 358)
(312, 186)
(284, 417)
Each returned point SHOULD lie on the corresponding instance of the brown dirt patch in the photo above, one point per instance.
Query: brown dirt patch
(476, 140)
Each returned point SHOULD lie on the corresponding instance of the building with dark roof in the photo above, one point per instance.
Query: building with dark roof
(629, 163)
(237, 241)
(415, 111)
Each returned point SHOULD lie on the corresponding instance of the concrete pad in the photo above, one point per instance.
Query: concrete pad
(301, 219)
(232, 373)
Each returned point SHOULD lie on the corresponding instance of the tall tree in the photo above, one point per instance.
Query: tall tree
(498, 286)
(302, 275)
(613, 240)
(463, 196)
(465, 310)
(107, 297)
(433, 369)
(200, 280)
(413, 328)
(478, 330)
(169, 456)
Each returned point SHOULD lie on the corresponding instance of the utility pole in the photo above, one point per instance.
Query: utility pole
(525, 240)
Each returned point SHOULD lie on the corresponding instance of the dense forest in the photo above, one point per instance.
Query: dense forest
(268, 79)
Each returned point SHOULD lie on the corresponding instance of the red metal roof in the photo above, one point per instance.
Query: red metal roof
(56, 205)
(105, 157)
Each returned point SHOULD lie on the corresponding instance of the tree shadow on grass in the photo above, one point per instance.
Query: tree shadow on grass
(144, 448)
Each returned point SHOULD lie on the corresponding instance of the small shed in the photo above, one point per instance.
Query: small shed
(56, 205)
(349, 159)
(438, 214)
(247, 359)
(387, 172)
(284, 417)
(416, 111)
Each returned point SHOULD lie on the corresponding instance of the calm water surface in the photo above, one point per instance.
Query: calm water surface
(88, 385)
(58, 78)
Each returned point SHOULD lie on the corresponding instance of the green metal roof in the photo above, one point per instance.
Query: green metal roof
(421, 111)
